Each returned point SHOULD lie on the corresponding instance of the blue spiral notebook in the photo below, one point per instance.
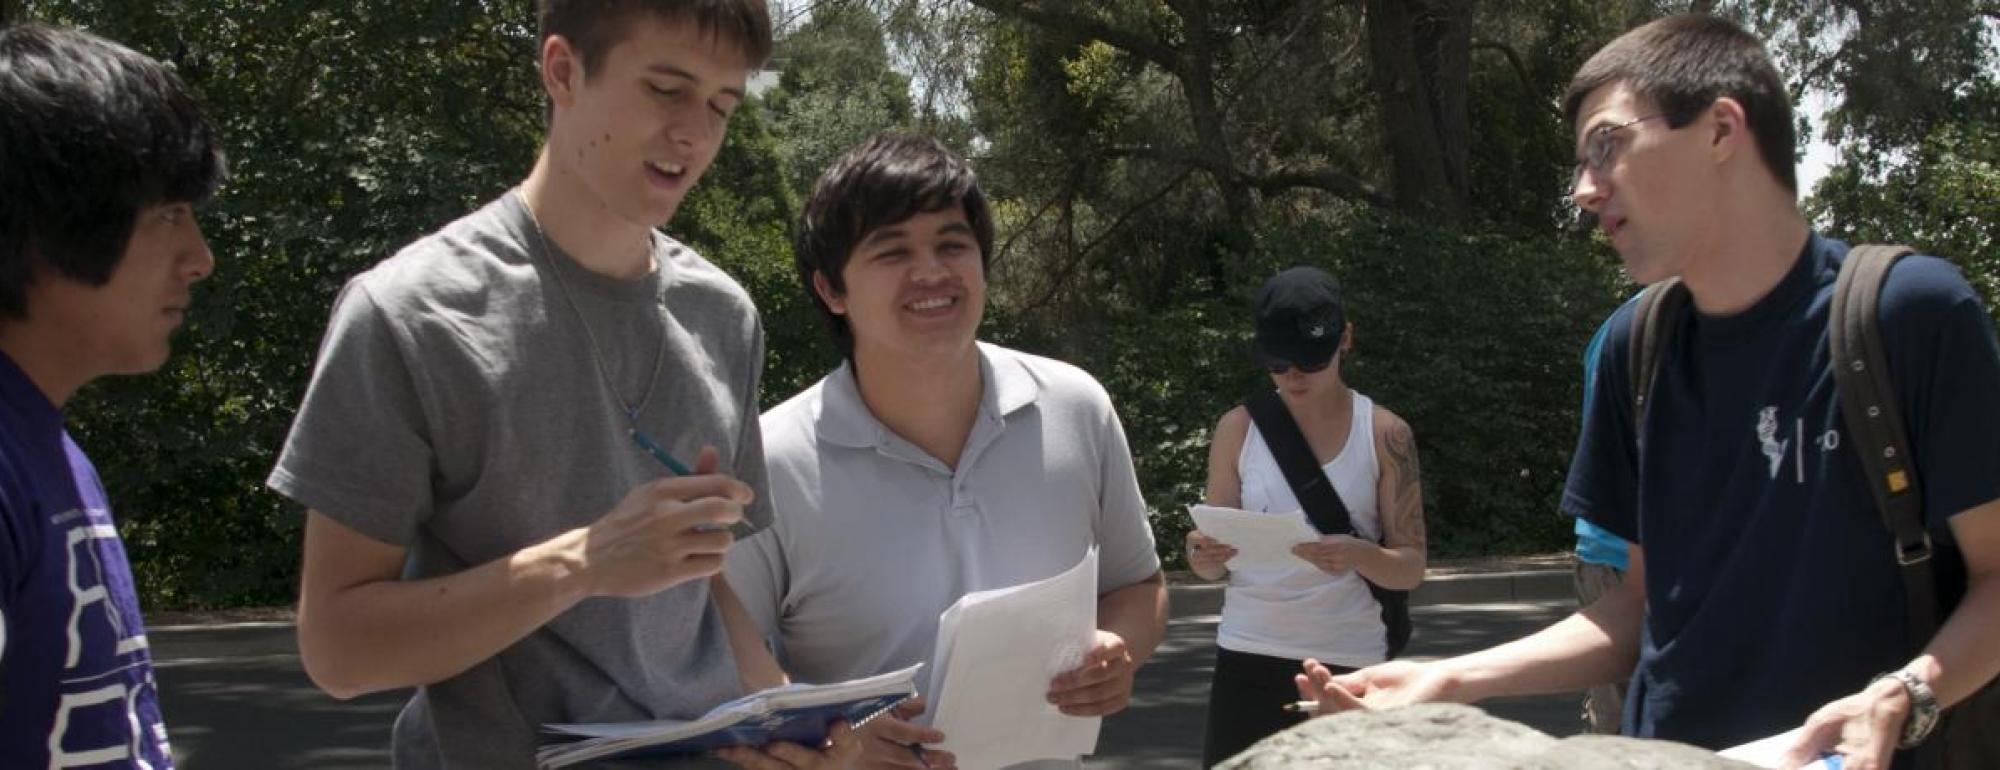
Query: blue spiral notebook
(795, 713)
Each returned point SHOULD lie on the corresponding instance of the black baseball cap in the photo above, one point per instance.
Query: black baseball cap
(1300, 318)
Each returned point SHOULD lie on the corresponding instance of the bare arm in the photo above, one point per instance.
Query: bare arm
(1965, 654)
(1596, 645)
(1225, 487)
(1207, 556)
(1399, 495)
(1137, 613)
(363, 629)
(754, 661)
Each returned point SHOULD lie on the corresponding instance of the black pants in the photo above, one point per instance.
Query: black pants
(1246, 702)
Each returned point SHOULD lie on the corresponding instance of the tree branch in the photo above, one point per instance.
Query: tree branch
(1513, 58)
(1034, 11)
(1325, 178)
(1330, 180)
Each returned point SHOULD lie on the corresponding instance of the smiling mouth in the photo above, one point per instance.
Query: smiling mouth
(669, 169)
(934, 303)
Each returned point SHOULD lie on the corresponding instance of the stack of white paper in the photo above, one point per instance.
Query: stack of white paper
(996, 653)
(1261, 540)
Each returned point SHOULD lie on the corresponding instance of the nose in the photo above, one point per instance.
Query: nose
(197, 262)
(696, 126)
(1588, 190)
(928, 267)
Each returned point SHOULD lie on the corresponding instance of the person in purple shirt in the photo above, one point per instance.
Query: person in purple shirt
(103, 154)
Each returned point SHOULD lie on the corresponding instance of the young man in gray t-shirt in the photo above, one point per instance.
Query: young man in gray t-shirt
(482, 444)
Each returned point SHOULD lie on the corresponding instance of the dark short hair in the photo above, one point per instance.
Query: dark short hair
(1683, 64)
(91, 132)
(881, 182)
(593, 26)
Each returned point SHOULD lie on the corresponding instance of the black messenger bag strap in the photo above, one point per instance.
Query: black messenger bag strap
(1322, 504)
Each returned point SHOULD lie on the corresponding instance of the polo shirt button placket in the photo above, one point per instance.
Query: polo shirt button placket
(962, 504)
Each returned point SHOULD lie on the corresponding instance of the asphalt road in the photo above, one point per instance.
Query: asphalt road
(235, 697)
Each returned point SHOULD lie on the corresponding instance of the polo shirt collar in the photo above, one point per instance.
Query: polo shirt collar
(844, 419)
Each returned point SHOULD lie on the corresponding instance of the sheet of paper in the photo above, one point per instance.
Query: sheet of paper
(997, 651)
(1769, 752)
(1261, 540)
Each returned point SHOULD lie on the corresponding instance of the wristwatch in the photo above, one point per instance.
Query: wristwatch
(1923, 708)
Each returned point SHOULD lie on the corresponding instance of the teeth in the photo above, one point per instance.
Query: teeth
(931, 304)
(670, 169)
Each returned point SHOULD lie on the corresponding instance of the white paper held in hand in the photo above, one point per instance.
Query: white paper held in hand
(1261, 540)
(996, 654)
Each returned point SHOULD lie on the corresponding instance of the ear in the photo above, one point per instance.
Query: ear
(1731, 129)
(1347, 338)
(562, 70)
(826, 293)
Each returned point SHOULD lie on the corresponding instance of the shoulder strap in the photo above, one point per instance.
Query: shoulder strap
(1875, 425)
(1652, 334)
(1295, 458)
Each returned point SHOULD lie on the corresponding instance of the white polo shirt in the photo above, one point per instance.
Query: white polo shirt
(872, 537)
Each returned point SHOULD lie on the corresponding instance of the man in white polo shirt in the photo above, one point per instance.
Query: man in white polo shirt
(930, 465)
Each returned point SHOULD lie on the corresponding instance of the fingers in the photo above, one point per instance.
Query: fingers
(1095, 700)
(904, 733)
(839, 750)
(1817, 737)
(1334, 699)
(706, 462)
(909, 709)
(752, 759)
(697, 487)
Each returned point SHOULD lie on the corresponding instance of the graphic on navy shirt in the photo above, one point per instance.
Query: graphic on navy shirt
(76, 675)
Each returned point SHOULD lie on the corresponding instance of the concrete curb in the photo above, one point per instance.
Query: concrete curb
(1539, 585)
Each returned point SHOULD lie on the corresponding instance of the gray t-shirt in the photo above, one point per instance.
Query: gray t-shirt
(456, 411)
(875, 537)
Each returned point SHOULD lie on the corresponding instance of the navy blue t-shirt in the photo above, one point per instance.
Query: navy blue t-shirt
(1771, 585)
(76, 678)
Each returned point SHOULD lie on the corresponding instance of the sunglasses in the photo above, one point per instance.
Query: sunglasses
(1280, 367)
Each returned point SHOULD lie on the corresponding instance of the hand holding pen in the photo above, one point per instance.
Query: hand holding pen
(663, 533)
(892, 741)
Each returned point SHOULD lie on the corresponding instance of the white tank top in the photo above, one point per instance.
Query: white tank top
(1302, 612)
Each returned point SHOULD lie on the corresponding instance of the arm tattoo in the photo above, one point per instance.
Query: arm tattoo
(1406, 506)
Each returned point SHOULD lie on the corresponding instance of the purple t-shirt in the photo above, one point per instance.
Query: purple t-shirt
(76, 677)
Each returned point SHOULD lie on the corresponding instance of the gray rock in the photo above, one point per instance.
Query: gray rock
(1454, 737)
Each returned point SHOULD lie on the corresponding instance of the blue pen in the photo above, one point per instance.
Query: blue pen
(645, 442)
(917, 750)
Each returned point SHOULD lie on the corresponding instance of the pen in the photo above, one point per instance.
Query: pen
(1310, 707)
(917, 750)
(658, 453)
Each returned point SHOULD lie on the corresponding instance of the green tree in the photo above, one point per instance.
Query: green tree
(351, 130)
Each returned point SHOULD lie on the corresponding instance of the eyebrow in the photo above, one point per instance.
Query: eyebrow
(663, 68)
(897, 231)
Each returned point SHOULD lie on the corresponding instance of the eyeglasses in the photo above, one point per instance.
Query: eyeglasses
(1602, 143)
(1280, 367)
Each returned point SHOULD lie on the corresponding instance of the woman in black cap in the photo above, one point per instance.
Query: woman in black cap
(1274, 619)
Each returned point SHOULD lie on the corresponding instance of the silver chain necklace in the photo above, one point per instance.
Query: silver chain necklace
(603, 373)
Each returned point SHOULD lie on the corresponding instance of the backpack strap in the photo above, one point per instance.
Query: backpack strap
(1875, 424)
(1653, 327)
(1295, 458)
